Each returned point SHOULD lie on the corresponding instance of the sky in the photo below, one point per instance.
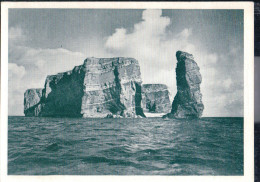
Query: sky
(47, 41)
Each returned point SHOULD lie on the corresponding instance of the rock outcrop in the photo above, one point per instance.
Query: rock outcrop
(155, 98)
(188, 101)
(100, 87)
(32, 99)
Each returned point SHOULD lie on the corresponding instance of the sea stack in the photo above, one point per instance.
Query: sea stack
(32, 99)
(188, 101)
(101, 87)
(155, 98)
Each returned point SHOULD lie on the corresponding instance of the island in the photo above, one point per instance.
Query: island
(112, 88)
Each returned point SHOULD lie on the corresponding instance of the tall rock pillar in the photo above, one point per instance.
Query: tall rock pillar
(188, 101)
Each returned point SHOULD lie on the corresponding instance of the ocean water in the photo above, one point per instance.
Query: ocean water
(148, 146)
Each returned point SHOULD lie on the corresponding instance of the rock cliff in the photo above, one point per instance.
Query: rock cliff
(188, 101)
(155, 98)
(32, 99)
(100, 87)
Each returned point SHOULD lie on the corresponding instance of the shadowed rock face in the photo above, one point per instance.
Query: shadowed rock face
(62, 94)
(188, 101)
(155, 98)
(99, 87)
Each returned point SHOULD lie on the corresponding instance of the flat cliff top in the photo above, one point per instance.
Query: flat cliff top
(103, 63)
(115, 60)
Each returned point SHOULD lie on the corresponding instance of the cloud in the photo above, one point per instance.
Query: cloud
(15, 34)
(186, 33)
(28, 67)
(227, 83)
(15, 75)
(15, 70)
(212, 58)
(117, 41)
(15, 86)
(45, 61)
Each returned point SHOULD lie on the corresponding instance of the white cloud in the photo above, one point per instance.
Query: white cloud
(28, 68)
(15, 33)
(186, 33)
(118, 40)
(227, 83)
(15, 77)
(212, 58)
(46, 61)
(15, 70)
(15, 88)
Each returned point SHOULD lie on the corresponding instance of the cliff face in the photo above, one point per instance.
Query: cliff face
(62, 94)
(99, 87)
(32, 99)
(188, 101)
(112, 86)
(155, 98)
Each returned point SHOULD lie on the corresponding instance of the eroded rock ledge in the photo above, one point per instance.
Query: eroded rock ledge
(188, 101)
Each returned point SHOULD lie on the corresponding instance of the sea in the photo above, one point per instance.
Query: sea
(138, 146)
